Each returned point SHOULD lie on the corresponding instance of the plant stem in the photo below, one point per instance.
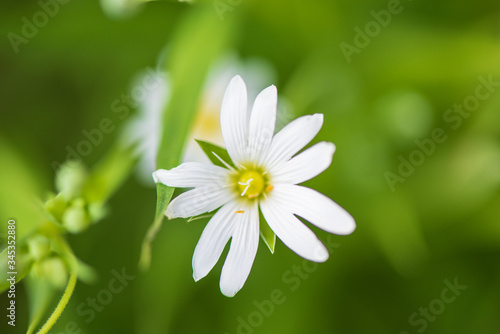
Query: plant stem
(62, 303)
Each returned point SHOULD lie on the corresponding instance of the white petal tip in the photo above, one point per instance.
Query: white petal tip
(329, 146)
(319, 117)
(347, 227)
(156, 176)
(350, 228)
(322, 259)
(315, 119)
(320, 254)
(228, 293)
(271, 90)
(237, 79)
(197, 277)
(229, 287)
(169, 214)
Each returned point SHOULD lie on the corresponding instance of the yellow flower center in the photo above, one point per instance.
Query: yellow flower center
(251, 184)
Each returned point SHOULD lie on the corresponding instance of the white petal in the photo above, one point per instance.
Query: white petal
(213, 240)
(262, 123)
(315, 207)
(294, 234)
(234, 119)
(192, 174)
(292, 138)
(199, 200)
(244, 244)
(306, 165)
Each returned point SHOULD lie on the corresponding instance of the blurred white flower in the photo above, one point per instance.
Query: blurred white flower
(265, 175)
(119, 9)
(145, 129)
(207, 124)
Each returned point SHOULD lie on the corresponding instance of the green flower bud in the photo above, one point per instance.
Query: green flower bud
(75, 218)
(54, 270)
(97, 211)
(56, 206)
(70, 179)
(39, 247)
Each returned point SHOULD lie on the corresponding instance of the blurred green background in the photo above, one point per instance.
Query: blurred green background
(435, 226)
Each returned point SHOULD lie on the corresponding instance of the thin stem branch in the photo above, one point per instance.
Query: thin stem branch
(62, 303)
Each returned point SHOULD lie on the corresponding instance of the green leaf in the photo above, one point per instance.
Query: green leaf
(21, 182)
(214, 152)
(193, 50)
(203, 216)
(164, 195)
(266, 233)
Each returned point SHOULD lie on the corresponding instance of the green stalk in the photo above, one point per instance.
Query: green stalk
(60, 307)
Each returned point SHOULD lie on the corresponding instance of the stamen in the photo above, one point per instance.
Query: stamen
(250, 184)
(247, 184)
(240, 211)
(225, 163)
(269, 188)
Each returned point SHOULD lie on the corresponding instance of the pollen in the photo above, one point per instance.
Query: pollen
(269, 188)
(240, 211)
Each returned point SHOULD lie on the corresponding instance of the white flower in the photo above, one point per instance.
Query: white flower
(265, 177)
